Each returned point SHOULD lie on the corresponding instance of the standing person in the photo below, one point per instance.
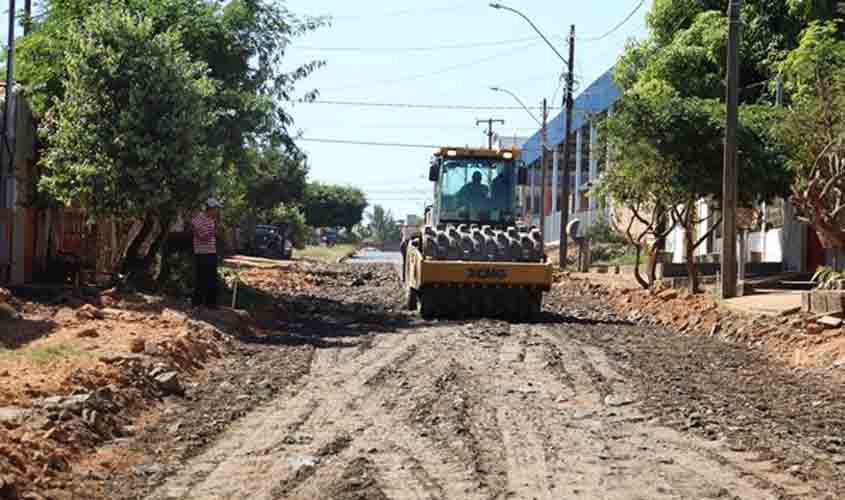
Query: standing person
(204, 228)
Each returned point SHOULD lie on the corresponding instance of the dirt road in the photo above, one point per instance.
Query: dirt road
(580, 405)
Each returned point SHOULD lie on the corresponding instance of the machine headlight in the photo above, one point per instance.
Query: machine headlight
(508, 156)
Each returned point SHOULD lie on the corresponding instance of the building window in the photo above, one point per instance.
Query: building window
(774, 214)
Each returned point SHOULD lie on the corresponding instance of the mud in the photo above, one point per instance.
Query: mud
(366, 401)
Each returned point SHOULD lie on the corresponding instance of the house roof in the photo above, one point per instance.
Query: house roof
(594, 99)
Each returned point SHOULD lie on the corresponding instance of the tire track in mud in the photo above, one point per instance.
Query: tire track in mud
(304, 473)
(454, 419)
(242, 461)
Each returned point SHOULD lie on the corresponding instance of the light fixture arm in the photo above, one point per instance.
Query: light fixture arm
(497, 5)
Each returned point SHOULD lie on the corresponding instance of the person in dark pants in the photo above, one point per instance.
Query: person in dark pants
(204, 229)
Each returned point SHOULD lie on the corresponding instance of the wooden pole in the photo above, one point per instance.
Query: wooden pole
(564, 168)
(729, 180)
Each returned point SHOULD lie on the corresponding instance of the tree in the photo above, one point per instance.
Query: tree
(328, 205)
(383, 226)
(250, 193)
(813, 131)
(242, 42)
(291, 217)
(669, 124)
(241, 45)
(636, 181)
(128, 137)
(665, 155)
(693, 32)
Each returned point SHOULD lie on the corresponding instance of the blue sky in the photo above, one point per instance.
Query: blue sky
(397, 177)
(504, 53)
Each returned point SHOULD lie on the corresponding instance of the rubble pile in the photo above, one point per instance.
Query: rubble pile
(74, 375)
(800, 338)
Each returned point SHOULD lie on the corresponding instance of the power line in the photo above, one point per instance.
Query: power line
(403, 12)
(467, 45)
(354, 142)
(615, 28)
(440, 71)
(368, 143)
(467, 107)
(395, 126)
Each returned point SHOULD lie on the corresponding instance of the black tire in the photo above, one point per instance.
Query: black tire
(426, 305)
(411, 299)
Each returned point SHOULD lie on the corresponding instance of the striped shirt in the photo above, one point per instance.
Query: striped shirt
(205, 237)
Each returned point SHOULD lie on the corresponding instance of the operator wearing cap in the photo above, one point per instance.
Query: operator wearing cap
(204, 228)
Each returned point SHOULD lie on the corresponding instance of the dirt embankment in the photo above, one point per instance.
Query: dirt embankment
(796, 338)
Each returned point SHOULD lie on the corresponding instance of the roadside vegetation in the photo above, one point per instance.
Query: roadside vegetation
(664, 140)
(327, 254)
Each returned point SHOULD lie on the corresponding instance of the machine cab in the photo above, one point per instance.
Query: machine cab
(476, 186)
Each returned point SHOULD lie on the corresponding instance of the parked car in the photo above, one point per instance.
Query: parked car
(272, 242)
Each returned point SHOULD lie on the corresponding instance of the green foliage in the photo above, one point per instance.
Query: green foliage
(292, 217)
(128, 137)
(602, 232)
(242, 42)
(817, 10)
(382, 225)
(826, 278)
(813, 131)
(686, 46)
(328, 205)
(270, 176)
(819, 59)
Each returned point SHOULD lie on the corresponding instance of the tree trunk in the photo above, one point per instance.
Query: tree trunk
(159, 241)
(689, 240)
(637, 253)
(164, 250)
(652, 264)
(132, 260)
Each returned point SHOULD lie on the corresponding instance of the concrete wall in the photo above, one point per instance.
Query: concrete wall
(675, 270)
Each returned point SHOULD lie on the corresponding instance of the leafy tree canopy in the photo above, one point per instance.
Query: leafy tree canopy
(241, 42)
(128, 136)
(328, 205)
(686, 47)
(382, 225)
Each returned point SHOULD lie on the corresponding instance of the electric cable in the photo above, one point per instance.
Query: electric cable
(455, 46)
(615, 28)
(419, 76)
(354, 142)
(451, 107)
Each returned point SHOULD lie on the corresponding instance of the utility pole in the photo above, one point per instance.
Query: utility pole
(27, 20)
(489, 133)
(729, 181)
(564, 168)
(543, 160)
(8, 111)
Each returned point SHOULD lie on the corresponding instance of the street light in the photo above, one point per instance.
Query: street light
(506, 91)
(545, 147)
(567, 104)
(499, 6)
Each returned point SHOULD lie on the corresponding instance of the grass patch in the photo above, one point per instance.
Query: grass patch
(327, 254)
(249, 298)
(42, 355)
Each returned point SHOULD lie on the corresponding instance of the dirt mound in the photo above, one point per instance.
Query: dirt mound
(82, 374)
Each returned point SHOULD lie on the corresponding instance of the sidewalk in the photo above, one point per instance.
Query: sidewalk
(764, 302)
(767, 303)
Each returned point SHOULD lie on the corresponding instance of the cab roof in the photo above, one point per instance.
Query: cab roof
(476, 152)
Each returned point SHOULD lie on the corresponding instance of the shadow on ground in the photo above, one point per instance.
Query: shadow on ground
(17, 333)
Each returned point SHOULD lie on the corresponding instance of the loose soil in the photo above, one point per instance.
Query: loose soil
(334, 392)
